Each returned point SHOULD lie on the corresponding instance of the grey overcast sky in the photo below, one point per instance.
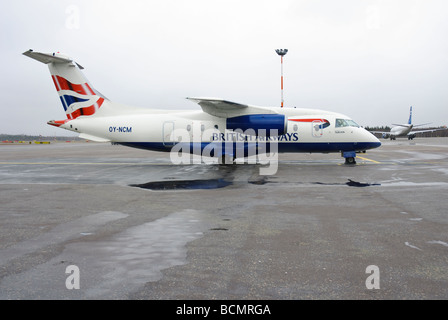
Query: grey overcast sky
(368, 59)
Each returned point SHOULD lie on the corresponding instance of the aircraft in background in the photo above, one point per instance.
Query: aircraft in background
(221, 123)
(405, 130)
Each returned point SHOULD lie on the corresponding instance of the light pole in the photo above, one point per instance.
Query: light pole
(281, 53)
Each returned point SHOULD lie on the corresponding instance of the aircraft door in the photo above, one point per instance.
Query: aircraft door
(168, 133)
(317, 127)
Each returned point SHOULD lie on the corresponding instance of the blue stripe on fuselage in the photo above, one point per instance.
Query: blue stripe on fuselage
(323, 147)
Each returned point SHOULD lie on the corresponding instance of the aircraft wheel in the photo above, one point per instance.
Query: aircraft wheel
(350, 160)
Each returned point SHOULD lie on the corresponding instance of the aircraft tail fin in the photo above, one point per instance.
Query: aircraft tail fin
(415, 125)
(77, 96)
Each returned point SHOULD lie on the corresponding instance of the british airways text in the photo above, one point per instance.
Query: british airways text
(236, 136)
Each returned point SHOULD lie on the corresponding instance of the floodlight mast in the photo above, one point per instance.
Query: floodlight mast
(281, 53)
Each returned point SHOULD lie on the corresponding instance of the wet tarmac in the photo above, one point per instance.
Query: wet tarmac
(139, 227)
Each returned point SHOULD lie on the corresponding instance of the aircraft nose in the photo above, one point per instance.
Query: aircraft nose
(373, 141)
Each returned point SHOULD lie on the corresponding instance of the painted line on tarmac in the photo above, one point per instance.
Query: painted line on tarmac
(367, 159)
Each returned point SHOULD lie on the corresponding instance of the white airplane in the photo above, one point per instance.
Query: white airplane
(221, 122)
(405, 130)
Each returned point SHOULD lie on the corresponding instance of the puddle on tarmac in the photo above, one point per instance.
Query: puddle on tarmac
(350, 183)
(222, 183)
(114, 266)
(184, 184)
(227, 176)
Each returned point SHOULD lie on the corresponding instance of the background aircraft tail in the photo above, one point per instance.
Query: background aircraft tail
(77, 96)
(410, 116)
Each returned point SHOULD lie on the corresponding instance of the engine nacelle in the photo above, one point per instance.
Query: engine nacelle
(261, 124)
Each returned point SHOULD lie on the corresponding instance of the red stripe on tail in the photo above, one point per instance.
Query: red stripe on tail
(64, 84)
(86, 111)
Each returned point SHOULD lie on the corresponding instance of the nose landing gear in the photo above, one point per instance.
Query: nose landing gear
(349, 157)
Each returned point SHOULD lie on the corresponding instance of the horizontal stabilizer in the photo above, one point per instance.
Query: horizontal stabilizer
(47, 57)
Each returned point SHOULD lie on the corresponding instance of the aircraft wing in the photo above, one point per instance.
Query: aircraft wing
(380, 132)
(426, 130)
(401, 125)
(226, 109)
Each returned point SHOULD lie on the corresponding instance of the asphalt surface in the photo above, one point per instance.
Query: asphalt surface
(138, 227)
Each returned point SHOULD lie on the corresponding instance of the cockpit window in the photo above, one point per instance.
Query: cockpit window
(341, 123)
(345, 123)
(352, 123)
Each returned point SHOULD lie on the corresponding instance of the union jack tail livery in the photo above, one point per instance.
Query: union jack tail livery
(77, 96)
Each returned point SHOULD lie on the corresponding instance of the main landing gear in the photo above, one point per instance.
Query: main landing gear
(226, 159)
